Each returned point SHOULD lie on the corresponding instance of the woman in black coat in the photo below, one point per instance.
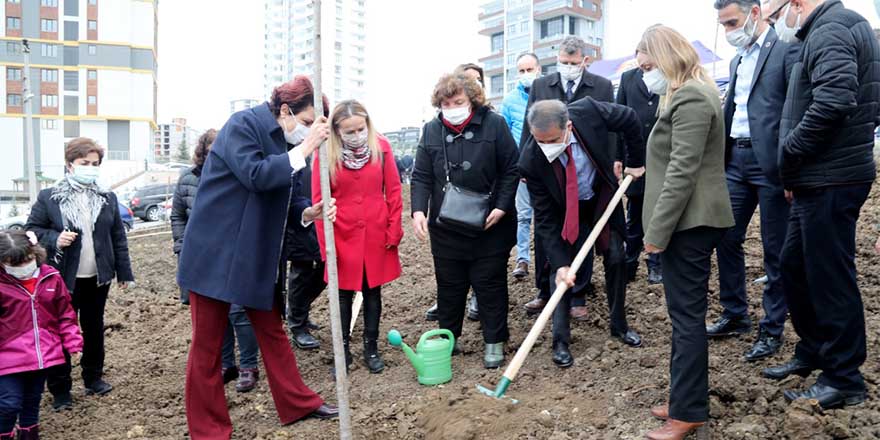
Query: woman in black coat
(482, 157)
(79, 225)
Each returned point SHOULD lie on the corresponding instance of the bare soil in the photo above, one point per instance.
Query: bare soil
(606, 395)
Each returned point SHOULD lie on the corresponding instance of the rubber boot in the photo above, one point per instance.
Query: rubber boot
(371, 356)
(372, 316)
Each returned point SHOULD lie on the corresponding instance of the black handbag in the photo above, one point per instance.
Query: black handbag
(462, 209)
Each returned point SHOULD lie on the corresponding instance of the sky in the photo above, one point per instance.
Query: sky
(207, 59)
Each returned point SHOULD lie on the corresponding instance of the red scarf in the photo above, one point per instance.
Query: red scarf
(458, 128)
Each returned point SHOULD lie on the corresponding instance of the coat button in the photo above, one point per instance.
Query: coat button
(359, 200)
(361, 224)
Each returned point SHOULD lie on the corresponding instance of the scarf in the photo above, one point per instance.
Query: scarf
(356, 158)
(74, 199)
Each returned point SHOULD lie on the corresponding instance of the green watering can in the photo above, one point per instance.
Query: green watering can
(432, 358)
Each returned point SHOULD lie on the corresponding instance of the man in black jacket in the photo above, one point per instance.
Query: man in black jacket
(827, 166)
(570, 83)
(568, 166)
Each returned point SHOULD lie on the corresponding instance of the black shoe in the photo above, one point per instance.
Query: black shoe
(655, 275)
(729, 327)
(325, 412)
(431, 314)
(629, 337)
(767, 345)
(304, 339)
(473, 311)
(828, 397)
(62, 402)
(371, 357)
(794, 366)
(98, 388)
(229, 374)
(456, 349)
(561, 356)
(312, 326)
(632, 269)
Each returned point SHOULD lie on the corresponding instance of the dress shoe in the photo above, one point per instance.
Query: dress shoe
(766, 345)
(62, 402)
(98, 387)
(473, 311)
(660, 412)
(304, 340)
(324, 412)
(578, 313)
(229, 374)
(655, 275)
(535, 306)
(561, 356)
(828, 397)
(729, 327)
(794, 366)
(431, 314)
(679, 430)
(521, 271)
(247, 380)
(493, 356)
(629, 337)
(312, 326)
(371, 356)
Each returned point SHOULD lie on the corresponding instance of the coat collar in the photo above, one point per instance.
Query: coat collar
(814, 17)
(45, 271)
(476, 120)
(587, 79)
(266, 118)
(768, 40)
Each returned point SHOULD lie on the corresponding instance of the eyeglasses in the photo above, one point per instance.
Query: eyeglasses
(774, 15)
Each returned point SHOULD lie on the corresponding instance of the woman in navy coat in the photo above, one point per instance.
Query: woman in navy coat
(232, 252)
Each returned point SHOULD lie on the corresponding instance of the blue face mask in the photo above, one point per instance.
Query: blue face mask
(85, 174)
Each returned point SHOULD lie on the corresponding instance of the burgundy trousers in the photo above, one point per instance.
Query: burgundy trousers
(206, 412)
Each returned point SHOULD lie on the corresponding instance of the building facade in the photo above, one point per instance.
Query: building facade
(515, 27)
(169, 138)
(93, 74)
(237, 105)
(404, 141)
(289, 45)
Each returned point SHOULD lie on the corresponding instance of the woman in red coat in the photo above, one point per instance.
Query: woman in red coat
(366, 186)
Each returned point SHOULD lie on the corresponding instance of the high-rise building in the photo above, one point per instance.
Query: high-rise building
(289, 45)
(93, 74)
(404, 141)
(237, 105)
(170, 137)
(515, 27)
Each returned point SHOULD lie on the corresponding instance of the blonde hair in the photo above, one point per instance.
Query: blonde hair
(675, 57)
(343, 111)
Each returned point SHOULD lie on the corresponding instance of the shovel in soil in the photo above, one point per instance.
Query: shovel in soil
(513, 368)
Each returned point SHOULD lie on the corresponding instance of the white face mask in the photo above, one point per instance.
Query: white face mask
(456, 116)
(297, 135)
(655, 81)
(569, 72)
(553, 151)
(741, 37)
(356, 140)
(25, 272)
(85, 174)
(785, 33)
(526, 79)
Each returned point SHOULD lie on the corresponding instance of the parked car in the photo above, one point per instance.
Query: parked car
(127, 216)
(13, 223)
(145, 203)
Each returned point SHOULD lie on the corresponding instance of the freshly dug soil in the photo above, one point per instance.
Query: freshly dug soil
(605, 395)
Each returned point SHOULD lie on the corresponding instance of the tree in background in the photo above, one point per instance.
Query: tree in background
(183, 152)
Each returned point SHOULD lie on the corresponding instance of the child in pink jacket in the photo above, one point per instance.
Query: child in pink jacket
(37, 323)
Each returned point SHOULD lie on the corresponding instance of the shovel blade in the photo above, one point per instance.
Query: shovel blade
(495, 394)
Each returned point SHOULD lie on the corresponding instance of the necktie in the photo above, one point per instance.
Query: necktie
(569, 91)
(571, 226)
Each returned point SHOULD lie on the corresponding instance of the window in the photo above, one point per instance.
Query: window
(13, 100)
(93, 100)
(49, 50)
(93, 75)
(498, 42)
(13, 74)
(13, 1)
(497, 85)
(49, 3)
(13, 23)
(552, 27)
(71, 129)
(48, 25)
(93, 2)
(93, 25)
(49, 100)
(13, 48)
(338, 45)
(49, 75)
(71, 81)
(93, 49)
(49, 124)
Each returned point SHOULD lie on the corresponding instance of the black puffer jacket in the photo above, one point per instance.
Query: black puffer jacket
(301, 243)
(833, 102)
(182, 204)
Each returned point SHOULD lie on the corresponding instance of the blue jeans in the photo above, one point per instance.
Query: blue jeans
(750, 188)
(20, 395)
(524, 224)
(240, 328)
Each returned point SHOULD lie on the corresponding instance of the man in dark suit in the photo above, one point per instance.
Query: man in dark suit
(570, 83)
(752, 111)
(568, 164)
(634, 94)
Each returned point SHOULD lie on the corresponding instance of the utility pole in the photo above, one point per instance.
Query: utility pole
(29, 125)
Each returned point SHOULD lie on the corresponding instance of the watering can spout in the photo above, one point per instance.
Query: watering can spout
(395, 339)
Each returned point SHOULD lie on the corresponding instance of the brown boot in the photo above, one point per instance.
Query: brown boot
(678, 430)
(579, 313)
(535, 306)
(247, 380)
(661, 412)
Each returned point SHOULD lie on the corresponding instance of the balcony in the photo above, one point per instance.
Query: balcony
(491, 25)
(542, 6)
(491, 8)
(493, 62)
(588, 9)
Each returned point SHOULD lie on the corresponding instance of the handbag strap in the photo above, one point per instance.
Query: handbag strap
(445, 154)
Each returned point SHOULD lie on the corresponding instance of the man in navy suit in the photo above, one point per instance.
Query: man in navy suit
(752, 111)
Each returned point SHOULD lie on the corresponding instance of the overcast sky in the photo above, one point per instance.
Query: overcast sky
(206, 60)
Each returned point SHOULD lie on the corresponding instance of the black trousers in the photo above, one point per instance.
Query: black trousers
(819, 280)
(545, 278)
(488, 277)
(88, 300)
(635, 234)
(687, 262)
(304, 285)
(614, 260)
(372, 311)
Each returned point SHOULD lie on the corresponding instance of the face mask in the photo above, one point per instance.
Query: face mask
(569, 72)
(785, 33)
(85, 174)
(25, 272)
(655, 82)
(553, 151)
(297, 135)
(456, 116)
(741, 38)
(526, 79)
(356, 140)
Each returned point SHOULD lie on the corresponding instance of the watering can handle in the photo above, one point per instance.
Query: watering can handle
(439, 332)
